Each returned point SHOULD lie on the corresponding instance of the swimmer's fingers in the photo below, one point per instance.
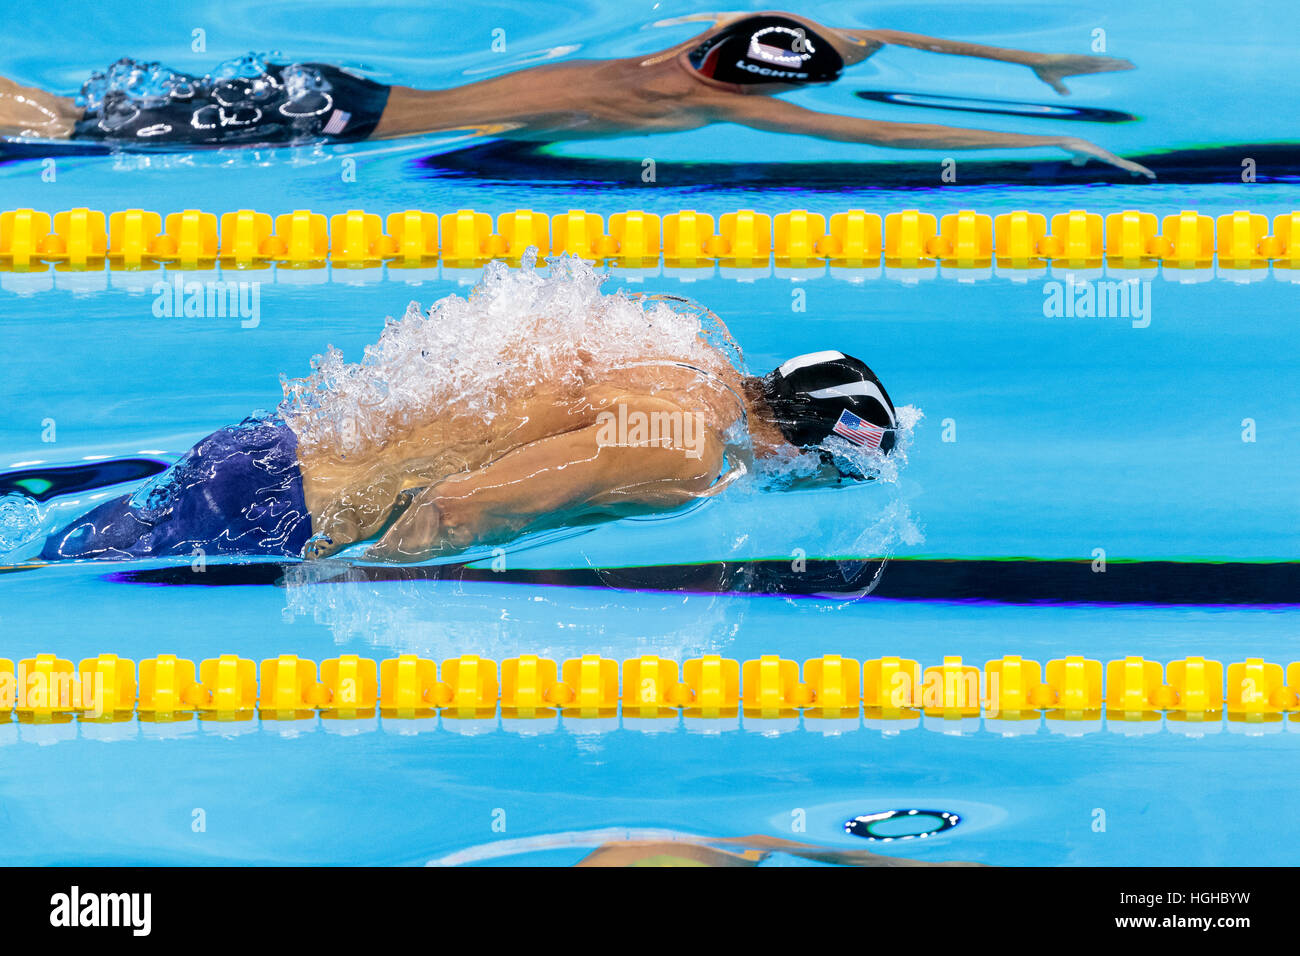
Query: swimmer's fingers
(1081, 151)
(321, 546)
(1137, 169)
(1054, 66)
(1053, 81)
(318, 547)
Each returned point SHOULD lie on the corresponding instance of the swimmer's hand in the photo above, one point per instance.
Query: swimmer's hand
(1054, 66)
(1081, 151)
(318, 546)
(412, 536)
(333, 533)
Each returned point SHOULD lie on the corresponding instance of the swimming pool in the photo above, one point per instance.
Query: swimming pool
(1045, 438)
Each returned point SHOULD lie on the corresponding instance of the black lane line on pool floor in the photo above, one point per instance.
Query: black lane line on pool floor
(1005, 582)
(514, 162)
(520, 162)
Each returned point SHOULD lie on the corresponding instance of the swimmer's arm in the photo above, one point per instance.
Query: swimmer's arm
(712, 19)
(568, 475)
(780, 116)
(761, 843)
(1050, 67)
(749, 851)
(31, 111)
(919, 41)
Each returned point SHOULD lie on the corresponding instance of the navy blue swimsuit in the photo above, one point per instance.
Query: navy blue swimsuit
(238, 491)
(299, 103)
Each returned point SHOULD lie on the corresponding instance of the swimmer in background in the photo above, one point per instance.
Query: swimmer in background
(656, 848)
(436, 484)
(731, 73)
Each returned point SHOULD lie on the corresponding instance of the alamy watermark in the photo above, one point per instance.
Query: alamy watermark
(1100, 298)
(58, 691)
(77, 908)
(211, 298)
(634, 428)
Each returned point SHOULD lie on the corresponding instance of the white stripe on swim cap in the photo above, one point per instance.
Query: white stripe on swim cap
(853, 390)
(812, 358)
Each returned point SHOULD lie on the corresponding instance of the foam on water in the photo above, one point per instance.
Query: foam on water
(20, 521)
(782, 472)
(518, 332)
(247, 80)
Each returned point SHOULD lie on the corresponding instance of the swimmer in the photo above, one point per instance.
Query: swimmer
(559, 456)
(730, 73)
(620, 847)
(738, 852)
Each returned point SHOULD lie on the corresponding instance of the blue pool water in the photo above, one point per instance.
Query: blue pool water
(1071, 435)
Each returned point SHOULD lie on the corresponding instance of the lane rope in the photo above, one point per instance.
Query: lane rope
(136, 239)
(287, 687)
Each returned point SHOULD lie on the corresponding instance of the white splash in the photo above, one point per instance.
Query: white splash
(517, 332)
(20, 522)
(782, 472)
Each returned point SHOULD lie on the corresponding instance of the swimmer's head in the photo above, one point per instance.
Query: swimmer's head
(823, 394)
(766, 49)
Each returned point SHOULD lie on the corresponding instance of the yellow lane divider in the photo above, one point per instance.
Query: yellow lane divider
(46, 688)
(139, 239)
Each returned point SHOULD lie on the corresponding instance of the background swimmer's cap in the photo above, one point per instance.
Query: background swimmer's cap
(809, 394)
(767, 50)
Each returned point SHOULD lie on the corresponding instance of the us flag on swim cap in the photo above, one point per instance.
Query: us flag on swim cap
(858, 431)
(338, 120)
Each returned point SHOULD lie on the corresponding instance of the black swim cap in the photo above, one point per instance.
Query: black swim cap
(767, 50)
(821, 394)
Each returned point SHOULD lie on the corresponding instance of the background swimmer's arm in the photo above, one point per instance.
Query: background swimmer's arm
(750, 851)
(821, 854)
(580, 472)
(712, 19)
(779, 116)
(29, 111)
(1049, 67)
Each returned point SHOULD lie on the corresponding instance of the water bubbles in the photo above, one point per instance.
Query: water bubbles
(300, 80)
(797, 468)
(93, 90)
(856, 459)
(248, 66)
(130, 84)
(153, 82)
(241, 81)
(20, 520)
(518, 332)
(154, 497)
(122, 73)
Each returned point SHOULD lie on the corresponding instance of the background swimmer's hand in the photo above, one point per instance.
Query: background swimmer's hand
(412, 536)
(1056, 65)
(1081, 151)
